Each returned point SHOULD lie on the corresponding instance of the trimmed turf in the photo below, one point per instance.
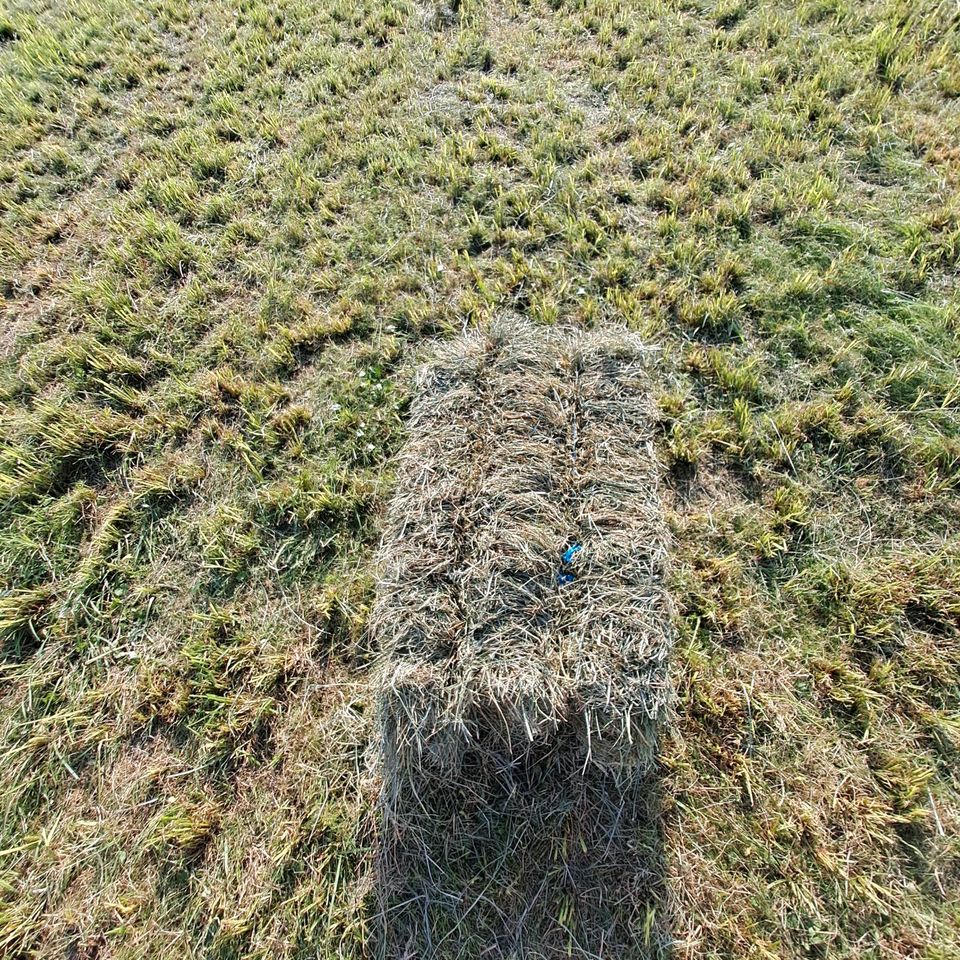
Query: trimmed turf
(226, 227)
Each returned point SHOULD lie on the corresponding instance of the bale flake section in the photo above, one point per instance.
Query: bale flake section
(526, 446)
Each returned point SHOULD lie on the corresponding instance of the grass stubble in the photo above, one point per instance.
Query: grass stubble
(227, 228)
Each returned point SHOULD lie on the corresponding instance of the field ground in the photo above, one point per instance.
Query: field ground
(228, 229)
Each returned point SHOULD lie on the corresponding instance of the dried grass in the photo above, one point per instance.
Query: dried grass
(523, 443)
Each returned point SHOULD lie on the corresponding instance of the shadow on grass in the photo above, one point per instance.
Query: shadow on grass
(532, 859)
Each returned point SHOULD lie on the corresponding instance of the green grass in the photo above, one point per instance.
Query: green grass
(226, 229)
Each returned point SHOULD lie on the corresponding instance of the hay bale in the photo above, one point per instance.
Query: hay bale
(523, 441)
(519, 712)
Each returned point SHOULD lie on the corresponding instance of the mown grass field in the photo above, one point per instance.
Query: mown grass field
(229, 227)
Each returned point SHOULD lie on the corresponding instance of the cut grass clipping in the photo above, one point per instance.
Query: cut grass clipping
(526, 634)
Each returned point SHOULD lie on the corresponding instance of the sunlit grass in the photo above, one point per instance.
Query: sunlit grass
(228, 229)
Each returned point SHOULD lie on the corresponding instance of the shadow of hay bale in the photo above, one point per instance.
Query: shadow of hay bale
(533, 860)
(525, 633)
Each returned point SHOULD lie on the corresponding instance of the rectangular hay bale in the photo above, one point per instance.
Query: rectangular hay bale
(524, 441)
